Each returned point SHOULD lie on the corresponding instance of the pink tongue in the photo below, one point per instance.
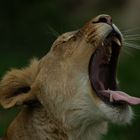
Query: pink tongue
(120, 96)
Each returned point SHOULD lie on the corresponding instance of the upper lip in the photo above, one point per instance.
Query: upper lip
(116, 34)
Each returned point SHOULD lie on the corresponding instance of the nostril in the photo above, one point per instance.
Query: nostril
(103, 19)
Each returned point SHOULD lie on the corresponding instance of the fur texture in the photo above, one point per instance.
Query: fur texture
(56, 94)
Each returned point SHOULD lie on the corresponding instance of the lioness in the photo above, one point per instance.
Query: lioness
(71, 93)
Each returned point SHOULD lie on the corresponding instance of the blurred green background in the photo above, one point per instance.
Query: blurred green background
(29, 27)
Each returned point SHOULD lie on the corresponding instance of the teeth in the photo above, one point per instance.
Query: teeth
(117, 41)
(110, 50)
(110, 54)
(109, 58)
(102, 43)
(111, 98)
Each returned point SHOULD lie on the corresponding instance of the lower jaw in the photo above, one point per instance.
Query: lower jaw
(118, 115)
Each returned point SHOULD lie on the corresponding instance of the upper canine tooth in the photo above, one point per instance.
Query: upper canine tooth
(117, 41)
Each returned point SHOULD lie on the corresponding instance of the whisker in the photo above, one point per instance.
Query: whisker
(53, 31)
(131, 45)
(136, 115)
(127, 52)
(130, 30)
(132, 38)
(135, 35)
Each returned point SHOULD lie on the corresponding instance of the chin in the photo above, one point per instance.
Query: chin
(120, 115)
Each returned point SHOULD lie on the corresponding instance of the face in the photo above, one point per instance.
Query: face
(80, 74)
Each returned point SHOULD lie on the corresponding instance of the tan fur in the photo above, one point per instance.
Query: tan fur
(14, 80)
(61, 104)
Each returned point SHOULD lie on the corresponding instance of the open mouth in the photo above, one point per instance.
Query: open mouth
(102, 72)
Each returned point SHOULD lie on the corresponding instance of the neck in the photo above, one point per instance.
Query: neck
(92, 132)
(35, 124)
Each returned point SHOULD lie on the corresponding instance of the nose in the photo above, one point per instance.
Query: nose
(103, 19)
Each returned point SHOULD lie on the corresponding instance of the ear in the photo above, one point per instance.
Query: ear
(16, 86)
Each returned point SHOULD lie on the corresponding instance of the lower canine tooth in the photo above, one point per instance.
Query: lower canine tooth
(111, 98)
